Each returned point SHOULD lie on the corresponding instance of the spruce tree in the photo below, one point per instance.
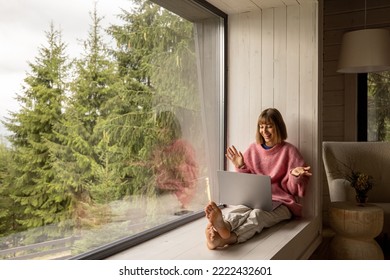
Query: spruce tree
(7, 220)
(80, 166)
(129, 127)
(11, 212)
(155, 55)
(32, 127)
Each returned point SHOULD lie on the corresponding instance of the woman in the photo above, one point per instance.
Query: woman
(175, 165)
(270, 155)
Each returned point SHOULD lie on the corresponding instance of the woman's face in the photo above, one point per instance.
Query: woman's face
(267, 130)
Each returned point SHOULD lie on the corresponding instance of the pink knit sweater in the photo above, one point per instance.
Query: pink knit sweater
(277, 163)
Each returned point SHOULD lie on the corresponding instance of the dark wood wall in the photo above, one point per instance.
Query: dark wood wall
(339, 98)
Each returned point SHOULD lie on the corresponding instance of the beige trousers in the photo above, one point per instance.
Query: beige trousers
(246, 222)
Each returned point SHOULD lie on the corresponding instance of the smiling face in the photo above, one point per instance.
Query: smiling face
(267, 131)
(271, 128)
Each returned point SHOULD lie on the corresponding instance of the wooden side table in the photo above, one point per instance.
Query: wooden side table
(356, 227)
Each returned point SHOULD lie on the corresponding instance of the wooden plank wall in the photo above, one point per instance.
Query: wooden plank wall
(339, 90)
(273, 62)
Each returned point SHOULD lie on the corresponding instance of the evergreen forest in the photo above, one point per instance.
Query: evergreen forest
(86, 131)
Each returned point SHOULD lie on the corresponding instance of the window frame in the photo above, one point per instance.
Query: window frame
(304, 234)
(362, 111)
(362, 108)
(182, 8)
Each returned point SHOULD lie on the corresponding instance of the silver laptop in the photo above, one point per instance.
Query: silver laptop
(251, 190)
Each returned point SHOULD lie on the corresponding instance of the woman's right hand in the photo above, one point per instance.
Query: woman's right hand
(235, 157)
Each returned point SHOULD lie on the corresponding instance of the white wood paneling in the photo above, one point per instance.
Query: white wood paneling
(267, 66)
(266, 4)
(255, 61)
(292, 79)
(284, 75)
(280, 58)
(239, 56)
(241, 6)
(308, 113)
(234, 6)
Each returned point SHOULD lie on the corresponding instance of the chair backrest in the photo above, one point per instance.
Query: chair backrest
(372, 158)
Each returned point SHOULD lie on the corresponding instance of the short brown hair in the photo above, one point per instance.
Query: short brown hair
(274, 117)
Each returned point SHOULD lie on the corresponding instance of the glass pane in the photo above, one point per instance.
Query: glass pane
(378, 111)
(115, 139)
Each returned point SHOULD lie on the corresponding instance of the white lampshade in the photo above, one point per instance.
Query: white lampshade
(364, 51)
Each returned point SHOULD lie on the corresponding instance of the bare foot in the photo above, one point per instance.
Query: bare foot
(214, 215)
(213, 238)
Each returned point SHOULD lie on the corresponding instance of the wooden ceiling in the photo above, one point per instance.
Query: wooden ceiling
(242, 6)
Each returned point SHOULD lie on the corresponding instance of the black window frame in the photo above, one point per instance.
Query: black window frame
(362, 111)
(120, 245)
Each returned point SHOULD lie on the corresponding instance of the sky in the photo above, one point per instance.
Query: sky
(23, 24)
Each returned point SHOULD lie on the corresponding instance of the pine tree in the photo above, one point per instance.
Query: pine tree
(129, 127)
(10, 211)
(6, 204)
(77, 158)
(32, 128)
(157, 48)
(155, 55)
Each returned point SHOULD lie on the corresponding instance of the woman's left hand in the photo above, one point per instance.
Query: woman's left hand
(298, 171)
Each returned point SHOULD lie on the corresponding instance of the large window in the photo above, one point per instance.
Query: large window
(117, 142)
(374, 106)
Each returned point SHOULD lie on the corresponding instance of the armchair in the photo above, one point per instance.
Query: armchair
(372, 158)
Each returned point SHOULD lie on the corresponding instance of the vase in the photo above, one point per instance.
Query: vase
(361, 198)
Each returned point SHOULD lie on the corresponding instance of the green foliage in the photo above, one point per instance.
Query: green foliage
(32, 127)
(6, 203)
(157, 48)
(155, 55)
(77, 146)
(379, 105)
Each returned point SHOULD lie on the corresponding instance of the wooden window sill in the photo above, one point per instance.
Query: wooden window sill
(288, 240)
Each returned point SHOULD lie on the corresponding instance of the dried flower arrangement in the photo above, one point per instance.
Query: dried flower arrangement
(361, 182)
